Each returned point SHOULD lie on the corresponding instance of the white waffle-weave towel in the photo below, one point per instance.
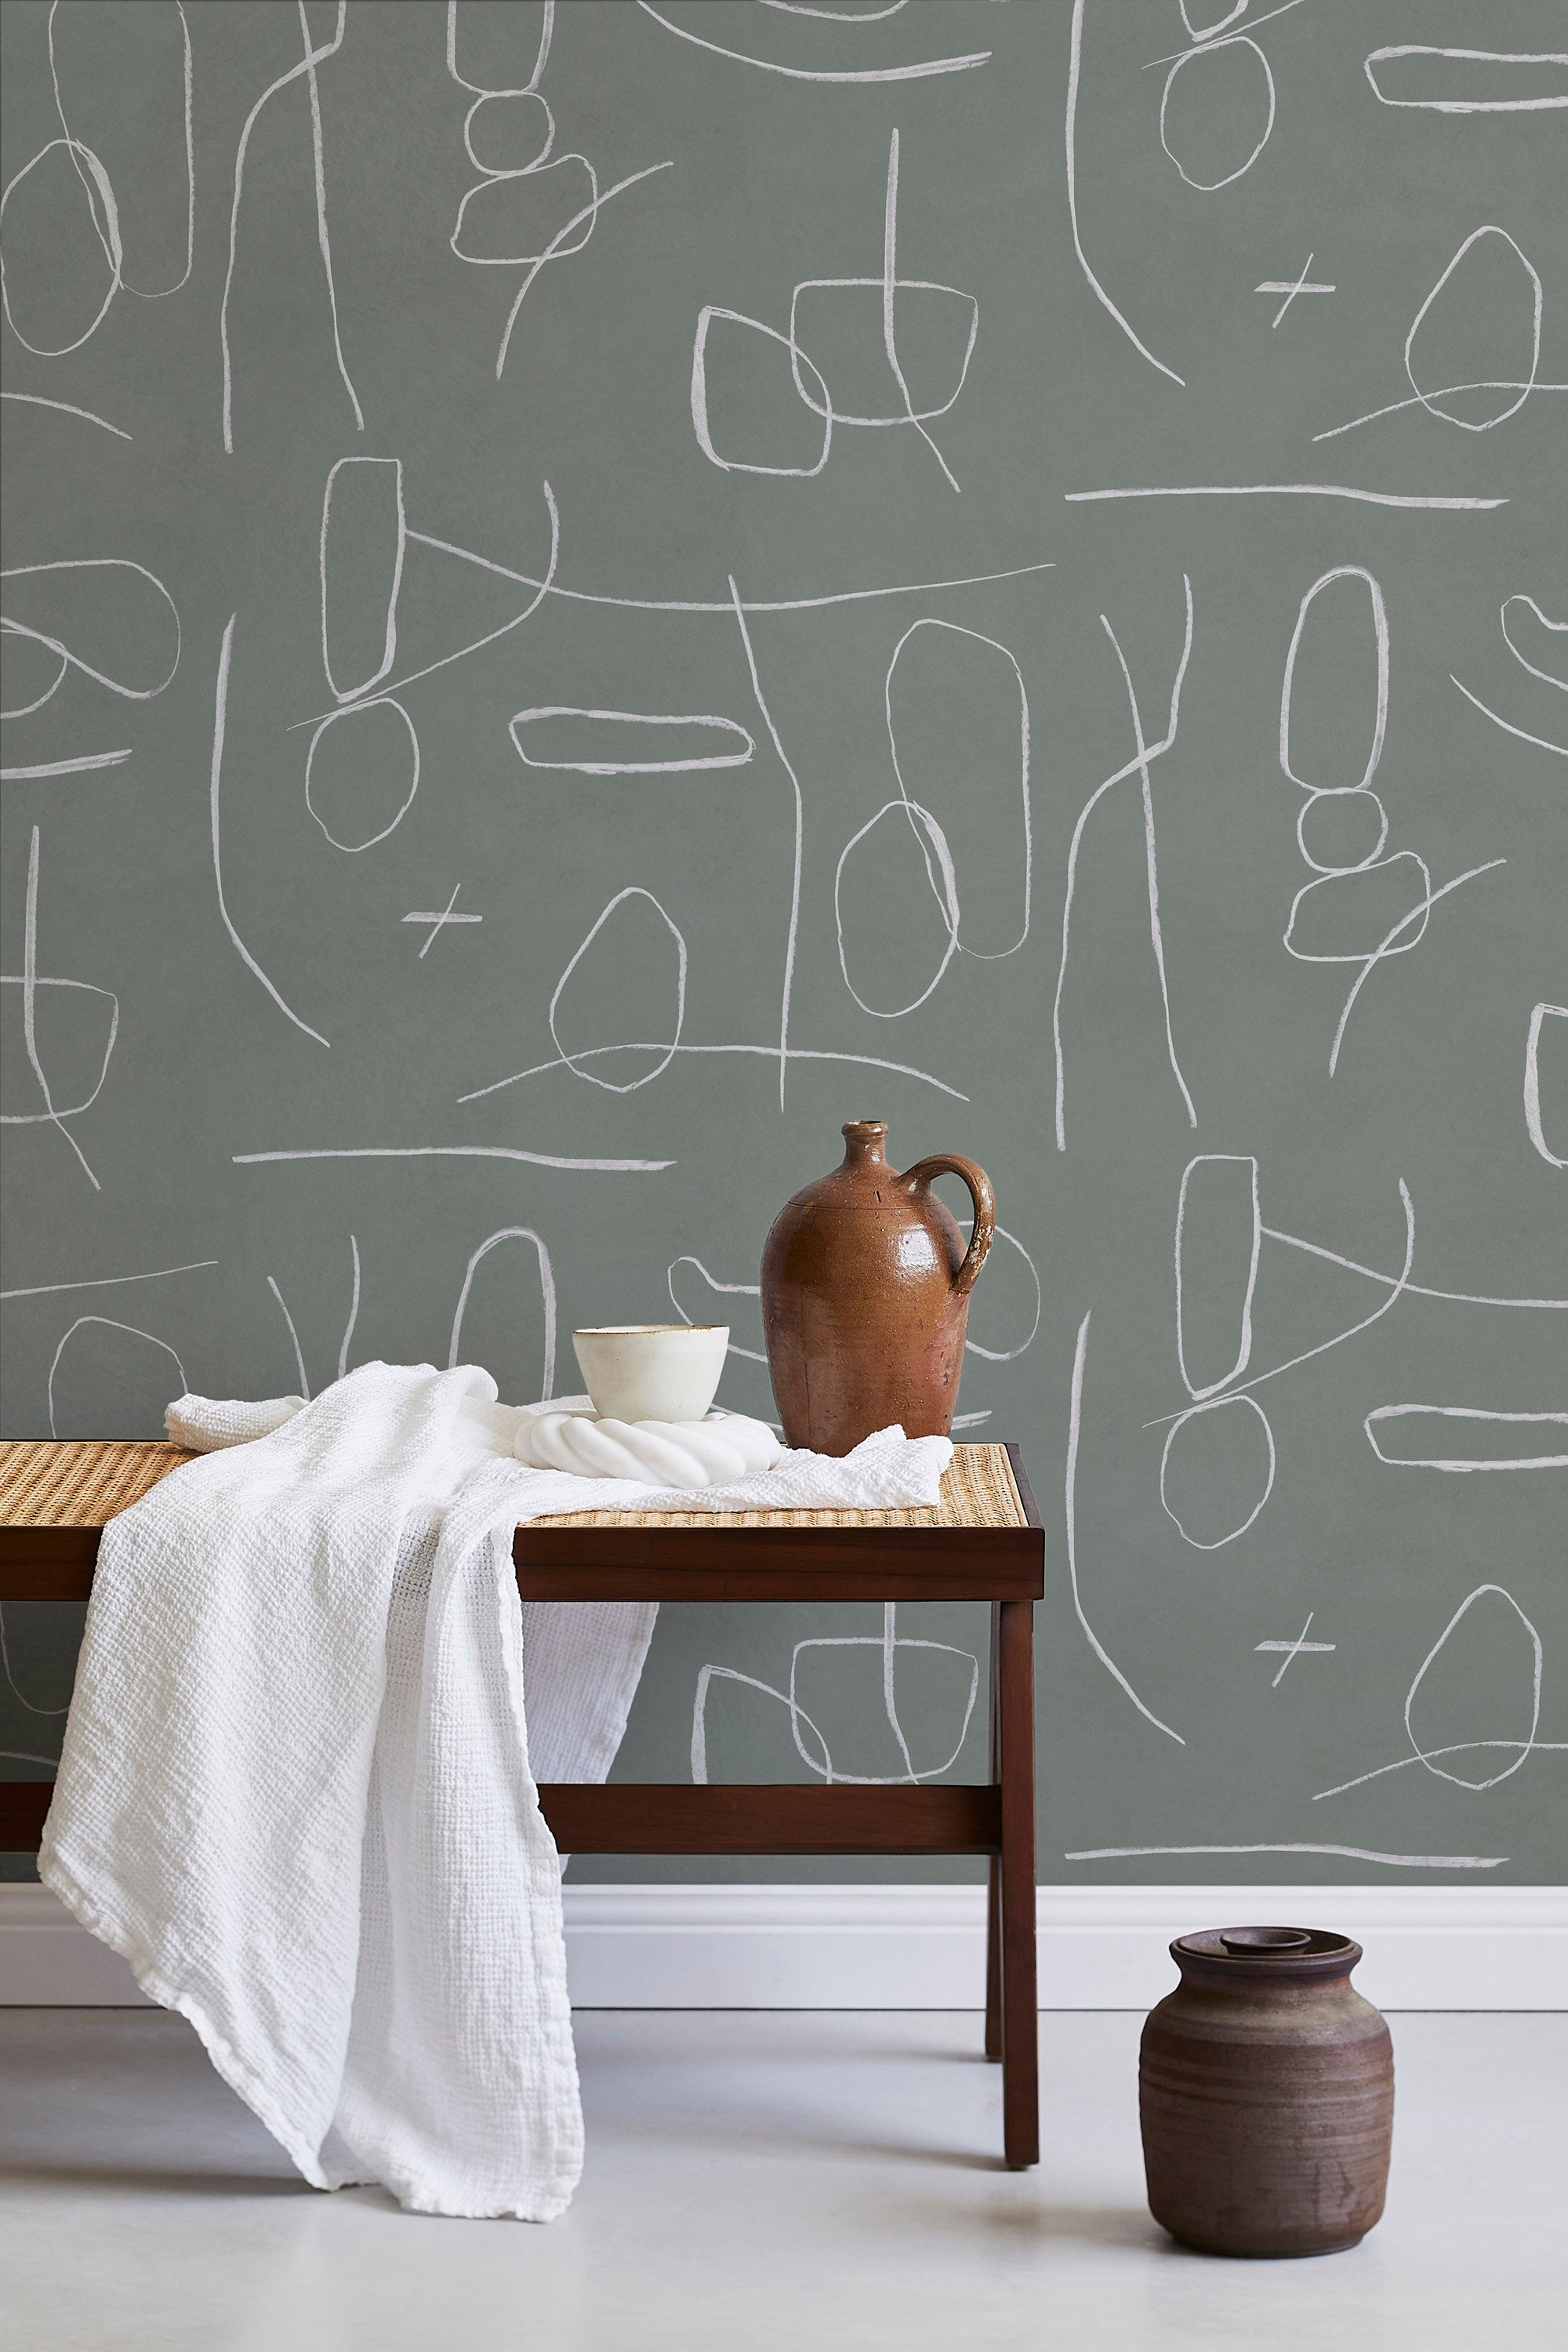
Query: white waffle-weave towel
(298, 1791)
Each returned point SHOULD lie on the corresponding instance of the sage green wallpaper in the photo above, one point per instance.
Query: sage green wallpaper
(592, 591)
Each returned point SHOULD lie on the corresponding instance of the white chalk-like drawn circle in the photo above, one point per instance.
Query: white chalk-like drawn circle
(1429, 401)
(700, 394)
(500, 194)
(546, 1298)
(1353, 899)
(1380, 716)
(932, 843)
(362, 795)
(638, 996)
(1010, 1355)
(1211, 1409)
(1207, 32)
(128, 1375)
(1262, 96)
(1558, 629)
(354, 571)
(1425, 1755)
(106, 236)
(1340, 811)
(1234, 1202)
(972, 785)
(519, 117)
(53, 1112)
(601, 735)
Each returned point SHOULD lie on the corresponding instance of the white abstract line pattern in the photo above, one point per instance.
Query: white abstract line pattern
(220, 720)
(803, 73)
(454, 1152)
(1295, 1649)
(109, 1324)
(294, 1339)
(68, 408)
(306, 67)
(1349, 1853)
(1280, 490)
(766, 1053)
(28, 980)
(64, 767)
(1464, 1463)
(889, 1643)
(1470, 57)
(546, 1292)
(111, 1281)
(785, 762)
(1074, 1426)
(1532, 1122)
(1139, 766)
(1075, 73)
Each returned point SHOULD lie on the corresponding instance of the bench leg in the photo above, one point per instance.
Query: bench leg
(1015, 1868)
(993, 1961)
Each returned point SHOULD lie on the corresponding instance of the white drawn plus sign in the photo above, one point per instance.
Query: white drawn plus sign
(1294, 1649)
(435, 921)
(1291, 288)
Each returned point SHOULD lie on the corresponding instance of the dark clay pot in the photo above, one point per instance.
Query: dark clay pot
(1266, 2092)
(866, 1283)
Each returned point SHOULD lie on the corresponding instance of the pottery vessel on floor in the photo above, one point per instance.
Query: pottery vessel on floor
(1266, 2091)
(866, 1284)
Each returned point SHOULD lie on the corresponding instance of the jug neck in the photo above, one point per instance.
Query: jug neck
(864, 1139)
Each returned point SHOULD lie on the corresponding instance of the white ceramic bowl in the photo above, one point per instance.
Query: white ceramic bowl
(652, 1372)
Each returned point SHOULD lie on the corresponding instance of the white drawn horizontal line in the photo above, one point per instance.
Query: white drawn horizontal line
(768, 1053)
(438, 917)
(1426, 400)
(1279, 490)
(725, 605)
(1293, 1646)
(1459, 1747)
(37, 400)
(108, 1281)
(76, 767)
(457, 1152)
(1292, 285)
(1351, 1852)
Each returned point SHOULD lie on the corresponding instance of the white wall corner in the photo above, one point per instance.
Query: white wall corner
(732, 1946)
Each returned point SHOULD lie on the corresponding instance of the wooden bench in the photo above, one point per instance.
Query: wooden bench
(982, 1542)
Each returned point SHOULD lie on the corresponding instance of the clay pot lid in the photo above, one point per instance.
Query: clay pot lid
(1269, 1951)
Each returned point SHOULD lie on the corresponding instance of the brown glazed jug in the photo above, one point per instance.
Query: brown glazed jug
(1266, 2093)
(866, 1284)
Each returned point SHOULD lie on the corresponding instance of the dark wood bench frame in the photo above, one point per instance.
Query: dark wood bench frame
(1002, 1565)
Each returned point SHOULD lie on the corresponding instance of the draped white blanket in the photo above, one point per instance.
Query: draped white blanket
(298, 1791)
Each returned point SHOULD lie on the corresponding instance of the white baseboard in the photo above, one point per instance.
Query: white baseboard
(734, 1947)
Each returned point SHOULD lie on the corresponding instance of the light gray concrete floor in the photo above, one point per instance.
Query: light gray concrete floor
(825, 2182)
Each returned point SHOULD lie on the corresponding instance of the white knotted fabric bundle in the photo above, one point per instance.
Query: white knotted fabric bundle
(298, 1788)
(568, 1434)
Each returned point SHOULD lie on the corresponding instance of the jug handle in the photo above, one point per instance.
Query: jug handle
(947, 1163)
